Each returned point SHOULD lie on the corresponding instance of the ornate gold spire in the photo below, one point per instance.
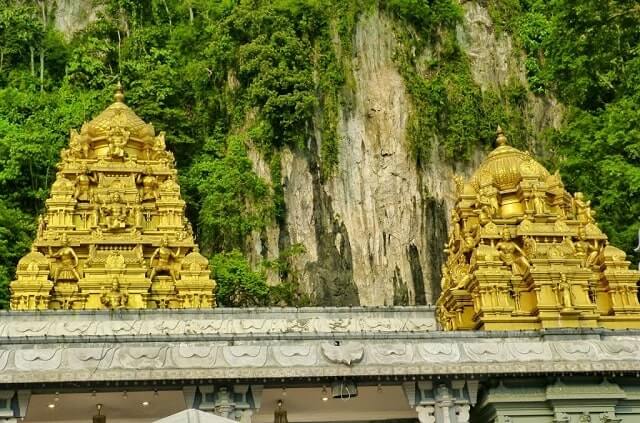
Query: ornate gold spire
(501, 139)
(114, 234)
(119, 95)
(524, 254)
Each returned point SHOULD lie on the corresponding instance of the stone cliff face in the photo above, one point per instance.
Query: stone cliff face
(373, 232)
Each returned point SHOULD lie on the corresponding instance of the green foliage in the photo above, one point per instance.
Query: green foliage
(16, 229)
(449, 107)
(602, 157)
(288, 291)
(594, 42)
(424, 15)
(19, 33)
(238, 284)
(234, 200)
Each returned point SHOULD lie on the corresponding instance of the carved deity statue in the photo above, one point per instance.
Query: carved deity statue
(509, 253)
(149, 184)
(159, 146)
(469, 240)
(460, 272)
(42, 225)
(564, 288)
(78, 144)
(67, 269)
(118, 139)
(487, 200)
(115, 212)
(585, 250)
(454, 234)
(582, 209)
(166, 258)
(114, 298)
(530, 246)
(83, 181)
(445, 281)
(539, 198)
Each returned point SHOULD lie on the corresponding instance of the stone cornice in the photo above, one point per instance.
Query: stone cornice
(292, 343)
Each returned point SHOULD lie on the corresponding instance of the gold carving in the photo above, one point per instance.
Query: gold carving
(165, 260)
(68, 267)
(524, 254)
(582, 209)
(511, 254)
(114, 233)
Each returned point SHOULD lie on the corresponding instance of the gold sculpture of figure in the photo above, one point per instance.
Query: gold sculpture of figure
(79, 143)
(149, 184)
(585, 250)
(460, 273)
(459, 181)
(539, 198)
(508, 250)
(165, 257)
(68, 261)
(83, 181)
(564, 288)
(454, 235)
(488, 202)
(582, 209)
(94, 220)
(118, 139)
(111, 299)
(445, 281)
(280, 414)
(116, 212)
(159, 145)
(42, 225)
(137, 215)
(469, 241)
(530, 246)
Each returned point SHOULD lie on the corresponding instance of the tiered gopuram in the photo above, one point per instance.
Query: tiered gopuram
(114, 234)
(525, 254)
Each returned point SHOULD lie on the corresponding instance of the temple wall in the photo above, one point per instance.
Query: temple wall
(391, 354)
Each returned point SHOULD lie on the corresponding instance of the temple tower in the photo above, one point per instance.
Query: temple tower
(525, 254)
(114, 234)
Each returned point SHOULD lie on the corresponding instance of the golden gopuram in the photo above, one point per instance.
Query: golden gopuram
(114, 234)
(523, 253)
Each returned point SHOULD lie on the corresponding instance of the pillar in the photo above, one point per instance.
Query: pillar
(13, 405)
(442, 402)
(236, 402)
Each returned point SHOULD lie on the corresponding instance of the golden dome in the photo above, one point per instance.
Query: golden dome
(504, 167)
(33, 258)
(118, 115)
(195, 261)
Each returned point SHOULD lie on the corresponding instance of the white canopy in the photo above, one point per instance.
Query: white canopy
(194, 416)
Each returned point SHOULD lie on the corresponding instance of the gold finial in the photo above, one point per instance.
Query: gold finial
(119, 95)
(501, 139)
